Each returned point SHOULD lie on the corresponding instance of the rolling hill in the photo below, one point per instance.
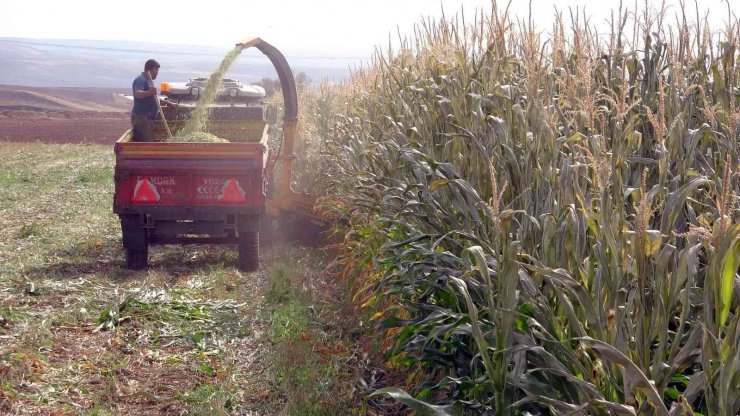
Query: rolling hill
(14, 98)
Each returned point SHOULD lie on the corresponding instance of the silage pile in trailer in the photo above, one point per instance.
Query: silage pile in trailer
(549, 223)
(197, 137)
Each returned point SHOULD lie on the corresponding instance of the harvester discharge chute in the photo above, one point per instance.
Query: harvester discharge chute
(294, 213)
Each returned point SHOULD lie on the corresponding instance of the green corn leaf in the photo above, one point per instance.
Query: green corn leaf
(727, 284)
(632, 373)
(480, 263)
(675, 204)
(420, 407)
(475, 324)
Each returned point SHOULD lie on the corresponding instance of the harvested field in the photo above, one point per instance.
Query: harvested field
(82, 335)
(67, 127)
(62, 115)
(62, 99)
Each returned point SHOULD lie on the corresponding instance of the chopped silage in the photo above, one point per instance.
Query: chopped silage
(197, 137)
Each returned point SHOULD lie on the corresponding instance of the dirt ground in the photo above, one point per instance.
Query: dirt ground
(62, 115)
(63, 127)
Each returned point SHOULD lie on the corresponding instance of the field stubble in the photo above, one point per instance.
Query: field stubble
(80, 334)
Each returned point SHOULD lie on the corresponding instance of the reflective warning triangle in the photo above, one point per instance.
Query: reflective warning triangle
(145, 191)
(232, 192)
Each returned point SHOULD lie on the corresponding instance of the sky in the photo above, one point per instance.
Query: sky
(346, 28)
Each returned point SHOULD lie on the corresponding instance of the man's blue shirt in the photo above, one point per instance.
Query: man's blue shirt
(146, 107)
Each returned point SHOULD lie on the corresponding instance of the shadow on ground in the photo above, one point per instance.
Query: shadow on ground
(107, 259)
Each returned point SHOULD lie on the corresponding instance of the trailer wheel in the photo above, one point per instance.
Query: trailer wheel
(135, 241)
(136, 259)
(249, 251)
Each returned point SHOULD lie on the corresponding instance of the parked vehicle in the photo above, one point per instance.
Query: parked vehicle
(230, 90)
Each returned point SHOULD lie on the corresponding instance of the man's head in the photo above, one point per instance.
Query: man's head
(152, 66)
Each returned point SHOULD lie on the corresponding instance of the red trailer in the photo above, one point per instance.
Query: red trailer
(183, 193)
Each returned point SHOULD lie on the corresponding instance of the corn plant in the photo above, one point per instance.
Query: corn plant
(548, 223)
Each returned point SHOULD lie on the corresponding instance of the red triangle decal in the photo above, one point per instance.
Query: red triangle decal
(232, 192)
(145, 191)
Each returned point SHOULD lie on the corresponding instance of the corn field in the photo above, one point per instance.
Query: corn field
(546, 222)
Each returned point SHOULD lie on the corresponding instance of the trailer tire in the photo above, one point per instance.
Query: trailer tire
(136, 259)
(135, 241)
(249, 251)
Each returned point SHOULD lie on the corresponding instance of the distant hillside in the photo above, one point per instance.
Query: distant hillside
(114, 64)
(15, 98)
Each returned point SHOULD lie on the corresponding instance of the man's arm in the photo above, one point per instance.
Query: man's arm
(145, 93)
(147, 89)
(144, 89)
(165, 103)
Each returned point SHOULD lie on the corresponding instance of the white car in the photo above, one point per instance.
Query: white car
(229, 90)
